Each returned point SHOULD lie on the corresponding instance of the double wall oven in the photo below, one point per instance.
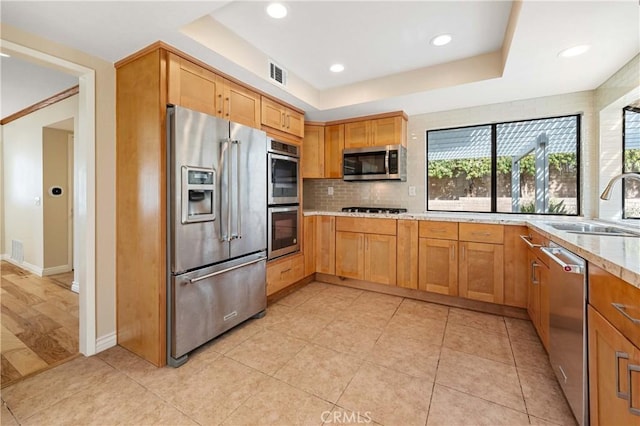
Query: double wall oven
(283, 197)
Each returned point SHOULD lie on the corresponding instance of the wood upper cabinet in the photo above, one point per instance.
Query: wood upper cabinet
(482, 271)
(333, 146)
(326, 244)
(280, 117)
(357, 134)
(376, 132)
(194, 87)
(197, 88)
(407, 254)
(309, 244)
(612, 360)
(313, 152)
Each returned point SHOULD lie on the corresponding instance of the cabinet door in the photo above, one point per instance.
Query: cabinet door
(193, 87)
(610, 354)
(407, 254)
(313, 152)
(380, 259)
(309, 245)
(273, 114)
(438, 271)
(544, 305)
(515, 266)
(387, 131)
(326, 244)
(294, 123)
(481, 271)
(350, 255)
(241, 105)
(333, 146)
(357, 134)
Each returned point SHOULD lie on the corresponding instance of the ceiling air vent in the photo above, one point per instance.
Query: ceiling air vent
(277, 74)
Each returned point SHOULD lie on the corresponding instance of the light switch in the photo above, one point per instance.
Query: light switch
(412, 191)
(37, 200)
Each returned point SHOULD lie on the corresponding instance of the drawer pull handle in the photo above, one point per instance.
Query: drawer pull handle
(534, 265)
(527, 240)
(224, 271)
(632, 367)
(285, 271)
(621, 308)
(482, 234)
(619, 393)
(437, 230)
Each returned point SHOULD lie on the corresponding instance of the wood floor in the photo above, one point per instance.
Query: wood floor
(39, 323)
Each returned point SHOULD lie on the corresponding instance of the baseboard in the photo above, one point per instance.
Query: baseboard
(75, 287)
(4, 256)
(105, 342)
(25, 265)
(56, 270)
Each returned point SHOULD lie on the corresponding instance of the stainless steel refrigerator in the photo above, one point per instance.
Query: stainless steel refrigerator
(217, 228)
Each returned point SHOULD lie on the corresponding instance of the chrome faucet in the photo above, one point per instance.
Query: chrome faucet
(606, 194)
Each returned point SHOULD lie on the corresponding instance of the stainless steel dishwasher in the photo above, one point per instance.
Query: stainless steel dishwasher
(568, 328)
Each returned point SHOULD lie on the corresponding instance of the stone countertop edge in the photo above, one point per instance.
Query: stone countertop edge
(620, 256)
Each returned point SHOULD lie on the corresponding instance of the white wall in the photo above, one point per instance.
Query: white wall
(620, 90)
(55, 170)
(23, 178)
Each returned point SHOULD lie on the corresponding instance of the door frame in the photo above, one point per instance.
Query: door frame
(84, 148)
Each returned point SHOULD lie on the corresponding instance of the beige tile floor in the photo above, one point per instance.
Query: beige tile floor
(322, 355)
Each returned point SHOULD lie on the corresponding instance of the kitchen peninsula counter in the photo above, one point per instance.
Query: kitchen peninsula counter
(620, 256)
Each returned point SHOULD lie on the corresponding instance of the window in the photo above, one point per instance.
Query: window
(631, 162)
(527, 166)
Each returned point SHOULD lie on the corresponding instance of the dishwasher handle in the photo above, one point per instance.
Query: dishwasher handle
(573, 268)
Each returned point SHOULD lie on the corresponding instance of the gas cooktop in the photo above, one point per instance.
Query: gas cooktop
(388, 210)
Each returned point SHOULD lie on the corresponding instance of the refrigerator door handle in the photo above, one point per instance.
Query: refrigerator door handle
(238, 191)
(224, 146)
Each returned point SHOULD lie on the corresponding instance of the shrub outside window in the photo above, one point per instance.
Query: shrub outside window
(529, 166)
(631, 162)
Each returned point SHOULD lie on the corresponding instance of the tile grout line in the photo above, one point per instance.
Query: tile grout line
(435, 375)
(524, 400)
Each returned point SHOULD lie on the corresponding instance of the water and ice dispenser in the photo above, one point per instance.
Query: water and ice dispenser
(198, 197)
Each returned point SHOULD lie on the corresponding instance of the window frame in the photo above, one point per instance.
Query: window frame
(494, 166)
(624, 151)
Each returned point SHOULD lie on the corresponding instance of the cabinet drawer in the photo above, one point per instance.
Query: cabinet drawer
(481, 233)
(617, 301)
(438, 230)
(366, 225)
(282, 273)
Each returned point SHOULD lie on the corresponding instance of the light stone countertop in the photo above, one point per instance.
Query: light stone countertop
(619, 256)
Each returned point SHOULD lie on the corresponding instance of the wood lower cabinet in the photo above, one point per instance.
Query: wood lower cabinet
(280, 117)
(369, 257)
(366, 249)
(481, 271)
(313, 152)
(611, 358)
(407, 254)
(281, 273)
(197, 88)
(438, 270)
(333, 146)
(309, 244)
(515, 266)
(326, 244)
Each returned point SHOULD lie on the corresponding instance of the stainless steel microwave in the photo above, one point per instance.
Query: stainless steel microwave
(387, 162)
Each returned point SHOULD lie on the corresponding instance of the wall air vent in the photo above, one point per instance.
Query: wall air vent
(17, 251)
(277, 74)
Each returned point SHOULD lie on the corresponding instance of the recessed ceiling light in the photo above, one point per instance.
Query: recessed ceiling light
(336, 68)
(441, 40)
(5, 55)
(574, 51)
(277, 10)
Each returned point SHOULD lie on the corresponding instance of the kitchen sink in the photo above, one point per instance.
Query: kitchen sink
(593, 229)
